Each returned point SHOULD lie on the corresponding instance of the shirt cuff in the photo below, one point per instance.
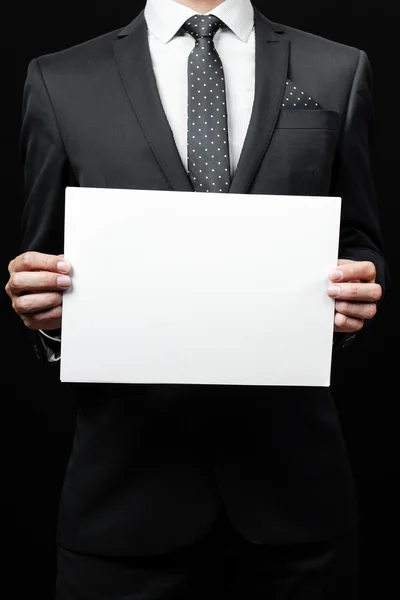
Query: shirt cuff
(56, 338)
(52, 354)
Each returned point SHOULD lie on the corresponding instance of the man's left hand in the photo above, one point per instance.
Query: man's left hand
(356, 293)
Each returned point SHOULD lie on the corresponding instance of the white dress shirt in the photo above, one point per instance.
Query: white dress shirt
(169, 50)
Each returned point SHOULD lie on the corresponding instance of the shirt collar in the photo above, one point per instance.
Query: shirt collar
(164, 18)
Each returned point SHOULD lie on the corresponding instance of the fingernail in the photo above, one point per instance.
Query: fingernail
(63, 266)
(334, 290)
(336, 275)
(63, 281)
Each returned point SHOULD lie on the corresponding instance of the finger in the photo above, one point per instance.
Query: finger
(361, 292)
(31, 303)
(21, 283)
(37, 261)
(347, 324)
(359, 310)
(8, 289)
(11, 266)
(45, 319)
(363, 270)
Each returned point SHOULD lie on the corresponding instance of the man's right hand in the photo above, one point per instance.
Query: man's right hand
(35, 287)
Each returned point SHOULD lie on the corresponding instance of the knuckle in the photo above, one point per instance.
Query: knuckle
(39, 317)
(15, 281)
(46, 261)
(352, 292)
(352, 273)
(23, 304)
(358, 325)
(51, 300)
(48, 280)
(28, 322)
(47, 300)
(346, 307)
(371, 270)
(371, 311)
(377, 292)
(11, 266)
(27, 261)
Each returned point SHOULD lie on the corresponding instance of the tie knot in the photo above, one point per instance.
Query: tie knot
(200, 26)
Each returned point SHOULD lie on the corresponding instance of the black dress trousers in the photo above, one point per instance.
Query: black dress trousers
(223, 565)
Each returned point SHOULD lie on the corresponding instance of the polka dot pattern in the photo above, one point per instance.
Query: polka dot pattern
(208, 149)
(295, 98)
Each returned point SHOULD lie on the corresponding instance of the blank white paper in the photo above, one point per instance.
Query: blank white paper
(184, 287)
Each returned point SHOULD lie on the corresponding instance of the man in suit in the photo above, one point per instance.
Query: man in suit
(190, 491)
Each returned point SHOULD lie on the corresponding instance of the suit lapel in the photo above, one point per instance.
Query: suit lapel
(272, 56)
(134, 61)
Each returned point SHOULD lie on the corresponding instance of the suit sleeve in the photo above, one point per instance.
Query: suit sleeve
(360, 235)
(47, 172)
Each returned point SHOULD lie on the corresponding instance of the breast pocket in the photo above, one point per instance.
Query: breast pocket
(291, 118)
(300, 157)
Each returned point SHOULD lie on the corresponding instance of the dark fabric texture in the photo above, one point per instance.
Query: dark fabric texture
(152, 465)
(222, 565)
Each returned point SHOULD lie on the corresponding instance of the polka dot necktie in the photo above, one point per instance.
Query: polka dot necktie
(208, 149)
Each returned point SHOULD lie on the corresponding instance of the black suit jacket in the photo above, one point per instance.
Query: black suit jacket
(152, 465)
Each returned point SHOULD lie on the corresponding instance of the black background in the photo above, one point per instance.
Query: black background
(38, 419)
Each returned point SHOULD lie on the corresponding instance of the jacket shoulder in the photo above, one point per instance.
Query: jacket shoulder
(316, 52)
(79, 55)
(324, 67)
(310, 41)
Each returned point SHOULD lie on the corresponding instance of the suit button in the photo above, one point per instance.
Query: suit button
(36, 351)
